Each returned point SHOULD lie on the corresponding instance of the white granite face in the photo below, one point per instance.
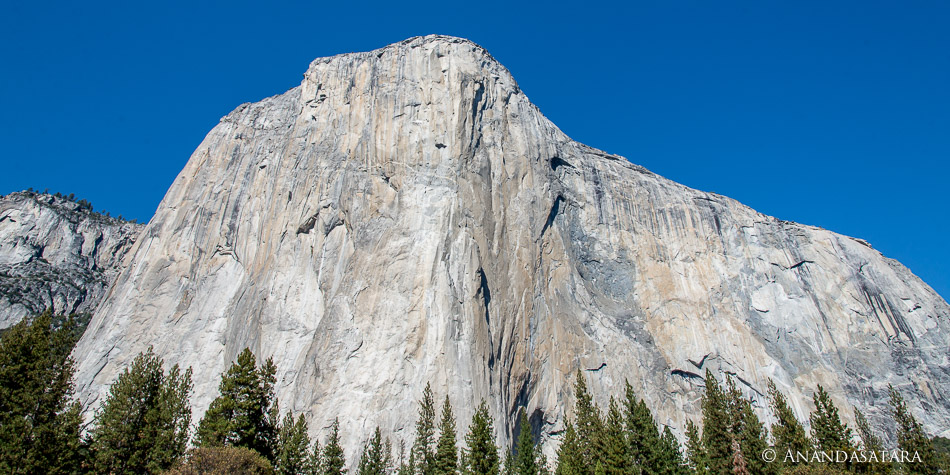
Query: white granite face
(407, 216)
(55, 254)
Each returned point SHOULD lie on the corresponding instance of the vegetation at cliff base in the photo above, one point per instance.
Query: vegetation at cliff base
(143, 426)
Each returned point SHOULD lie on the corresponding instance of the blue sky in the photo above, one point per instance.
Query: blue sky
(835, 114)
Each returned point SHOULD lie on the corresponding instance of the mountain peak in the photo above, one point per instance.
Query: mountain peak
(436, 53)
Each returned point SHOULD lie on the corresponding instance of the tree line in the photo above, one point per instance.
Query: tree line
(144, 426)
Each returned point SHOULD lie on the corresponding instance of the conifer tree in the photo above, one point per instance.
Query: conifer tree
(911, 438)
(508, 467)
(830, 434)
(643, 438)
(333, 461)
(482, 455)
(588, 424)
(425, 435)
(870, 443)
(749, 432)
(446, 456)
(39, 421)
(787, 431)
(569, 461)
(245, 412)
(671, 458)
(407, 464)
(292, 445)
(142, 426)
(374, 460)
(315, 459)
(738, 460)
(695, 454)
(717, 437)
(615, 456)
(526, 462)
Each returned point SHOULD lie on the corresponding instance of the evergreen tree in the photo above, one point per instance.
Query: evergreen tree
(911, 438)
(315, 459)
(569, 461)
(425, 435)
(39, 422)
(375, 458)
(245, 413)
(748, 432)
(482, 455)
(717, 425)
(407, 464)
(787, 431)
(142, 426)
(446, 456)
(829, 433)
(695, 454)
(738, 460)
(615, 456)
(671, 459)
(526, 462)
(588, 425)
(870, 443)
(643, 438)
(334, 462)
(508, 468)
(292, 445)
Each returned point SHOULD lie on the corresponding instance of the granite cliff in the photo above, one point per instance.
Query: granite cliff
(406, 216)
(56, 253)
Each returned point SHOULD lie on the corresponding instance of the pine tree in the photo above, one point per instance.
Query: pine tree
(375, 458)
(568, 454)
(142, 426)
(39, 421)
(717, 437)
(334, 462)
(911, 438)
(406, 464)
(695, 454)
(643, 438)
(526, 462)
(315, 459)
(789, 435)
(425, 435)
(588, 424)
(870, 443)
(748, 431)
(830, 434)
(245, 413)
(671, 459)
(292, 445)
(615, 456)
(446, 456)
(508, 467)
(738, 460)
(482, 455)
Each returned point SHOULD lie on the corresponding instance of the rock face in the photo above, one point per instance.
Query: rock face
(407, 216)
(56, 253)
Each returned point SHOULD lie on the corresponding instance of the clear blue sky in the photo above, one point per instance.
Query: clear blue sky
(835, 114)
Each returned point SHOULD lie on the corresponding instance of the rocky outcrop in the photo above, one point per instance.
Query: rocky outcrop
(407, 216)
(56, 253)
